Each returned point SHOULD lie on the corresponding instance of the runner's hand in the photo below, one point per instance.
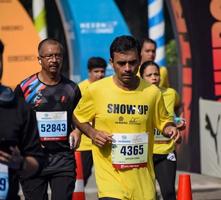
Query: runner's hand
(101, 138)
(173, 133)
(75, 139)
(180, 139)
(181, 125)
(14, 160)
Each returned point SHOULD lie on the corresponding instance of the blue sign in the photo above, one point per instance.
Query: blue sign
(90, 26)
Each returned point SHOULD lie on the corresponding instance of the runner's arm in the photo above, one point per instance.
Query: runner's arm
(99, 138)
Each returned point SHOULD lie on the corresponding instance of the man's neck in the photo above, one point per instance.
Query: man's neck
(90, 81)
(49, 79)
(132, 85)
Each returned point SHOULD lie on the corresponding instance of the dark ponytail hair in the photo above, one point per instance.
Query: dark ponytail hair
(147, 64)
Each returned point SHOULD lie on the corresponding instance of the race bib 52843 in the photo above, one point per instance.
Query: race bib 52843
(52, 126)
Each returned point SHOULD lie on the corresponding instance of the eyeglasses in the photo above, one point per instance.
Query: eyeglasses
(58, 56)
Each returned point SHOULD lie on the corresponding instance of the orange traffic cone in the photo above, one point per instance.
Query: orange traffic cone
(184, 187)
(79, 185)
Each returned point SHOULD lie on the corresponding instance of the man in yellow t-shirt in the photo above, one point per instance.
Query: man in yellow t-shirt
(148, 53)
(96, 71)
(124, 109)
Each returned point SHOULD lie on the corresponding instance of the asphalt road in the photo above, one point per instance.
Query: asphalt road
(203, 187)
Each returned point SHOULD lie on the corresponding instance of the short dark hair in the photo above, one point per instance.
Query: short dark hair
(96, 62)
(124, 43)
(148, 40)
(145, 65)
(1, 47)
(50, 41)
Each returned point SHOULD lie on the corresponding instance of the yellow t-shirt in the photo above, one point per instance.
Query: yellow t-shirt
(117, 111)
(164, 81)
(86, 142)
(163, 145)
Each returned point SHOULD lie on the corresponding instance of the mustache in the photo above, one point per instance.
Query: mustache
(127, 74)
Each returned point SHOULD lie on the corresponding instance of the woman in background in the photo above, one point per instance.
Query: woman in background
(164, 155)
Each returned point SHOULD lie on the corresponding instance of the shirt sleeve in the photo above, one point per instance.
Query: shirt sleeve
(164, 81)
(18, 92)
(161, 115)
(77, 96)
(29, 144)
(169, 96)
(85, 110)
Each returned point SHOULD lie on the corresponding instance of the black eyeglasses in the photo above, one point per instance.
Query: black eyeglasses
(58, 56)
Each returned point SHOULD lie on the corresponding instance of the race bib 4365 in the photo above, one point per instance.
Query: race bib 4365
(129, 150)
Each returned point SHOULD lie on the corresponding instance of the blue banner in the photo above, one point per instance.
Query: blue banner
(91, 27)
